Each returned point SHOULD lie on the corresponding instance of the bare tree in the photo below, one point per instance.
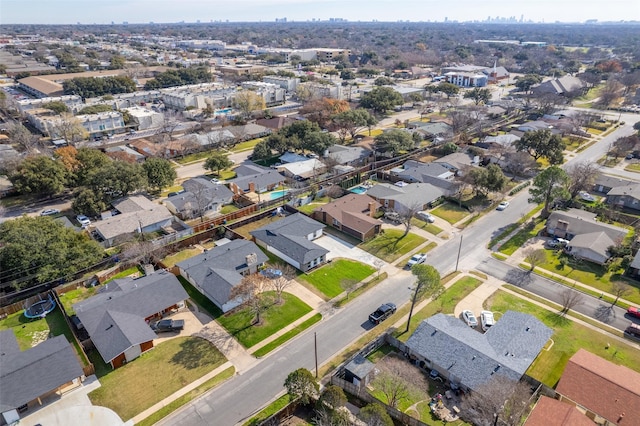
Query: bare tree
(570, 299)
(248, 101)
(519, 163)
(406, 215)
(619, 289)
(250, 292)
(70, 129)
(22, 137)
(397, 378)
(334, 191)
(611, 91)
(534, 257)
(582, 177)
(169, 123)
(142, 252)
(281, 282)
(499, 401)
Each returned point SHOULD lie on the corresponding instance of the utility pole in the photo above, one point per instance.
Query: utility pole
(459, 249)
(315, 347)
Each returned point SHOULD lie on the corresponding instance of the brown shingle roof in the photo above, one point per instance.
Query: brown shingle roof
(351, 210)
(551, 412)
(609, 390)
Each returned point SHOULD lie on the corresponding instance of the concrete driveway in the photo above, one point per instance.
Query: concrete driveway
(339, 248)
(192, 324)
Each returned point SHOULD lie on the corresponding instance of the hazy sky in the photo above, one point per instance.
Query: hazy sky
(143, 11)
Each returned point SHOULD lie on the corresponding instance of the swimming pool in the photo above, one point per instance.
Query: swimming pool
(358, 190)
(225, 111)
(278, 194)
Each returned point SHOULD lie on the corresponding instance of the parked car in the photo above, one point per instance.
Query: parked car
(633, 311)
(416, 259)
(83, 220)
(632, 332)
(426, 216)
(486, 319)
(469, 318)
(392, 216)
(586, 196)
(214, 180)
(557, 243)
(167, 325)
(503, 205)
(382, 313)
(49, 212)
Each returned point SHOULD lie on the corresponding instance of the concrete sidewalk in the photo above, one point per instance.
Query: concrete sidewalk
(474, 300)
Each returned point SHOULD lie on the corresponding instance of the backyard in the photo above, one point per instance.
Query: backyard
(567, 338)
(156, 374)
(317, 202)
(337, 276)
(450, 212)
(391, 245)
(245, 229)
(239, 322)
(180, 256)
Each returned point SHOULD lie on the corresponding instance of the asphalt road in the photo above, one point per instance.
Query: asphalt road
(243, 395)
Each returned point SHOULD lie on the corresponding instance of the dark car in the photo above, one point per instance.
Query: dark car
(167, 325)
(382, 313)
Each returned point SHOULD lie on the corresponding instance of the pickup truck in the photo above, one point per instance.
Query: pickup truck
(167, 325)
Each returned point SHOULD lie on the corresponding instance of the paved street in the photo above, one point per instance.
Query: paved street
(261, 384)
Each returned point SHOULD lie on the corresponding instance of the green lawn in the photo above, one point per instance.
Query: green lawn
(633, 168)
(567, 338)
(589, 274)
(229, 208)
(269, 410)
(200, 299)
(245, 146)
(193, 157)
(275, 318)
(156, 374)
(429, 227)
(330, 278)
(127, 272)
(450, 212)
(516, 241)
(75, 296)
(287, 336)
(445, 304)
(390, 245)
(31, 332)
(176, 258)
(317, 202)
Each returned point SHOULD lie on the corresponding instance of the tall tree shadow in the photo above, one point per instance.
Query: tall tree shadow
(605, 313)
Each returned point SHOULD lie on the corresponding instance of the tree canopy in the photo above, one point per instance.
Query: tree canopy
(301, 384)
(352, 121)
(217, 161)
(91, 87)
(159, 172)
(179, 77)
(548, 186)
(39, 175)
(479, 95)
(40, 249)
(381, 99)
(394, 141)
(542, 144)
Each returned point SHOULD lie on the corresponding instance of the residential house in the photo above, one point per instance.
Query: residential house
(407, 197)
(254, 178)
(459, 161)
(352, 214)
(302, 170)
(136, 214)
(200, 196)
(589, 239)
(567, 84)
(605, 183)
(291, 239)
(417, 171)
(117, 318)
(213, 138)
(434, 130)
(625, 196)
(27, 377)
(124, 152)
(275, 123)
(348, 155)
(248, 131)
(470, 359)
(144, 118)
(500, 141)
(217, 271)
(606, 392)
(551, 412)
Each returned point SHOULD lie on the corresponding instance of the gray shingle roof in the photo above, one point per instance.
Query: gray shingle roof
(210, 193)
(115, 317)
(262, 179)
(289, 235)
(24, 376)
(217, 271)
(249, 168)
(408, 196)
(508, 348)
(583, 222)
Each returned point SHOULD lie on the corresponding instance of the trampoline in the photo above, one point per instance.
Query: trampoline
(40, 309)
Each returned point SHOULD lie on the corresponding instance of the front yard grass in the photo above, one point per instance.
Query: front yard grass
(526, 233)
(567, 338)
(445, 304)
(429, 227)
(333, 278)
(450, 212)
(391, 245)
(287, 336)
(156, 374)
(633, 168)
(588, 273)
(275, 318)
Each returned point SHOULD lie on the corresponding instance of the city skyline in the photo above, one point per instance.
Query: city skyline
(169, 11)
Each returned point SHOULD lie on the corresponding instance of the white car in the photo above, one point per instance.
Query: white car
(416, 259)
(426, 216)
(503, 205)
(469, 318)
(49, 212)
(586, 196)
(486, 319)
(83, 220)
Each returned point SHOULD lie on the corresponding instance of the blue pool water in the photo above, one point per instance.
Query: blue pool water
(225, 111)
(358, 190)
(278, 194)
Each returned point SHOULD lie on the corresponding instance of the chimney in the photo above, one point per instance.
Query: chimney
(372, 208)
(251, 258)
(252, 187)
